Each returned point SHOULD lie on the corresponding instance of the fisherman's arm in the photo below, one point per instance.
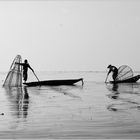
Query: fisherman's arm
(19, 63)
(30, 68)
(109, 72)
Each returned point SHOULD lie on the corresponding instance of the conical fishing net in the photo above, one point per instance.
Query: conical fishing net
(124, 72)
(14, 76)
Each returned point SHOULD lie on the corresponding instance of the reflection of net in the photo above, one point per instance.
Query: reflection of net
(14, 76)
(124, 72)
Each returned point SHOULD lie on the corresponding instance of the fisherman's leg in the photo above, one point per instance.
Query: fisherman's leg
(114, 76)
(25, 76)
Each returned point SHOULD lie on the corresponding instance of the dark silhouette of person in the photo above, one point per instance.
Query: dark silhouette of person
(114, 70)
(25, 66)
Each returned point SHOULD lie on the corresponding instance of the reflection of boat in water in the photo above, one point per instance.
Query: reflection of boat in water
(129, 88)
(125, 96)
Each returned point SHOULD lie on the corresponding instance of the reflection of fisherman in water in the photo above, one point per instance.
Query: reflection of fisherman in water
(114, 90)
(114, 95)
(120, 93)
(19, 101)
(25, 102)
(115, 87)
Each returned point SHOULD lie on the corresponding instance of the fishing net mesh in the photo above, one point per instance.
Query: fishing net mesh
(14, 76)
(124, 72)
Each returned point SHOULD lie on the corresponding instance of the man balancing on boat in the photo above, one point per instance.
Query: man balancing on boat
(114, 70)
(25, 66)
(123, 74)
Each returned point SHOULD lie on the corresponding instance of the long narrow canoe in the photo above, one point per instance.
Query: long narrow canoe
(54, 82)
(130, 80)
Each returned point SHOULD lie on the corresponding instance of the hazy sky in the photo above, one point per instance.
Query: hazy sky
(70, 35)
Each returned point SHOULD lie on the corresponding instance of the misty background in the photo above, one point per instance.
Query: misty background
(81, 35)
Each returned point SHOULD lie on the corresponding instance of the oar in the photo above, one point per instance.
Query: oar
(106, 78)
(36, 76)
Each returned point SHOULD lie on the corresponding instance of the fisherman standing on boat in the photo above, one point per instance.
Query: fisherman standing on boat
(114, 70)
(25, 66)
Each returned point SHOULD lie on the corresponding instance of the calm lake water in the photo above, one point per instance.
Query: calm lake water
(93, 111)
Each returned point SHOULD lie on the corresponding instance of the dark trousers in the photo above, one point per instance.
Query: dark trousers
(25, 76)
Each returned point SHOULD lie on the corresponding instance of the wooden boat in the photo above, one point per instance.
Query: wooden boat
(129, 80)
(54, 82)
